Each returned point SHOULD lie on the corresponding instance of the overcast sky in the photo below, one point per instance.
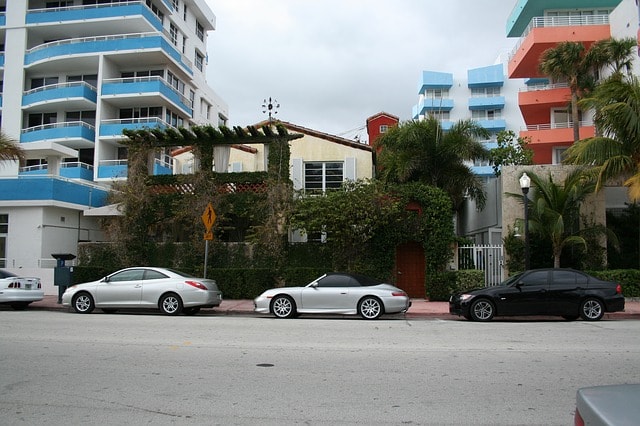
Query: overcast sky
(331, 64)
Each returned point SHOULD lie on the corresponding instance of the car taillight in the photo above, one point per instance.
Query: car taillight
(39, 285)
(196, 284)
(577, 419)
(399, 293)
(618, 289)
(14, 285)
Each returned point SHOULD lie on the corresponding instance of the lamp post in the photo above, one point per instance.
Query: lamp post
(525, 184)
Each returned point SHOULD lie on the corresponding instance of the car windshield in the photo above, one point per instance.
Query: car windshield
(511, 280)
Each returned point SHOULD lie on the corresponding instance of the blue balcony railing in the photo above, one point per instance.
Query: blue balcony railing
(104, 44)
(114, 128)
(77, 170)
(96, 11)
(486, 102)
(113, 169)
(62, 91)
(78, 130)
(140, 86)
(46, 188)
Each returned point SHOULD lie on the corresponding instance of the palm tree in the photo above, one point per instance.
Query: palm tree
(421, 151)
(578, 66)
(9, 149)
(555, 209)
(615, 151)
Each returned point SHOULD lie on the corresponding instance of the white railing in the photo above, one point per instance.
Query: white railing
(113, 162)
(487, 258)
(76, 164)
(59, 86)
(559, 21)
(59, 126)
(112, 3)
(33, 168)
(544, 86)
(551, 126)
(137, 120)
(147, 79)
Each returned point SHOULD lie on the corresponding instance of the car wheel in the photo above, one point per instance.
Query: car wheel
(170, 304)
(591, 309)
(20, 306)
(83, 303)
(190, 311)
(482, 310)
(370, 308)
(283, 307)
(571, 317)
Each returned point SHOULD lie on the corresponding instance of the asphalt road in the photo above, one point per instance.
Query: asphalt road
(62, 368)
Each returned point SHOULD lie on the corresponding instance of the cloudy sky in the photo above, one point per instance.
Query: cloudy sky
(332, 63)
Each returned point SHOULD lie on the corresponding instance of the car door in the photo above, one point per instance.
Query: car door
(526, 296)
(154, 284)
(565, 289)
(124, 288)
(329, 293)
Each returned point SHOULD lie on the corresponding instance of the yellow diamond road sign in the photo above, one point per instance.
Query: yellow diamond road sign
(209, 217)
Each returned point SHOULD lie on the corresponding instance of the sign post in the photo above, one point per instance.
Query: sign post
(208, 218)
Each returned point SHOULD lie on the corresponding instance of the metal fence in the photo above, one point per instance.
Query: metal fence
(488, 258)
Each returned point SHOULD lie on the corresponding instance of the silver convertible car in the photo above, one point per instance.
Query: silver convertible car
(334, 293)
(171, 291)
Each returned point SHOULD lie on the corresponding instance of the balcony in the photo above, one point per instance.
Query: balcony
(486, 102)
(134, 45)
(52, 188)
(73, 134)
(77, 96)
(433, 104)
(114, 128)
(144, 91)
(113, 169)
(546, 32)
(493, 125)
(119, 17)
(76, 170)
(536, 101)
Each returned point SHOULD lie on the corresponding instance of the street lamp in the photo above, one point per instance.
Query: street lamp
(525, 184)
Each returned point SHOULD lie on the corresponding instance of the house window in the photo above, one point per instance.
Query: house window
(558, 155)
(384, 128)
(4, 231)
(199, 30)
(321, 176)
(199, 61)
(173, 33)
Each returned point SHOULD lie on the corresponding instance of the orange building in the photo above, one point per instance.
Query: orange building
(542, 24)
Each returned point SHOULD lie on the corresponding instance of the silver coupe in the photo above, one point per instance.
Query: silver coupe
(171, 291)
(335, 293)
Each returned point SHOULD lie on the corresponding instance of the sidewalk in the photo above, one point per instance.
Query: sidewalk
(420, 308)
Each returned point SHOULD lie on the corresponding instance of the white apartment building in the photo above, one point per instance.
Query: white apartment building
(74, 74)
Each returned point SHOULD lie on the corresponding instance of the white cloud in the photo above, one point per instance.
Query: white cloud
(333, 63)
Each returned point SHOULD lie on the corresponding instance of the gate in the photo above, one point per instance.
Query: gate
(486, 258)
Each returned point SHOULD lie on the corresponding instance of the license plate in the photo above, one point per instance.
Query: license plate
(27, 286)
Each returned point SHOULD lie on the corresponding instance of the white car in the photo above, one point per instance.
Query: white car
(335, 293)
(171, 291)
(18, 291)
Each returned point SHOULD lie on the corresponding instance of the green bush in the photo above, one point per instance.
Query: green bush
(629, 279)
(442, 285)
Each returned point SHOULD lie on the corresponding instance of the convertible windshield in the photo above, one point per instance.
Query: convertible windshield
(511, 280)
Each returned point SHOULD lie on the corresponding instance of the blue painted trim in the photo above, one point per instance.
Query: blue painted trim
(480, 103)
(57, 133)
(112, 172)
(491, 76)
(495, 125)
(80, 47)
(427, 105)
(97, 13)
(435, 80)
(77, 173)
(151, 86)
(51, 188)
(60, 93)
(117, 128)
(161, 170)
(3, 20)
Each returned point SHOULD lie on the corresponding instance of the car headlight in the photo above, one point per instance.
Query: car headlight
(466, 297)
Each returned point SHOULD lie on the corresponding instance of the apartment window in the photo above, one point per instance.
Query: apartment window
(199, 30)
(42, 119)
(141, 112)
(192, 99)
(321, 176)
(184, 13)
(437, 93)
(173, 33)
(175, 82)
(91, 79)
(4, 232)
(199, 61)
(88, 117)
(54, 4)
(145, 73)
(485, 91)
(176, 4)
(174, 119)
(43, 81)
(155, 10)
(490, 114)
(440, 115)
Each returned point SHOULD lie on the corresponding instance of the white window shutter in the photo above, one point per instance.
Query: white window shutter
(297, 174)
(350, 168)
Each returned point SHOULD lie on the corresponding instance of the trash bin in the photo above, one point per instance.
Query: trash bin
(62, 274)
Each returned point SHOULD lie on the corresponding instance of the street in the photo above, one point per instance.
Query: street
(99, 369)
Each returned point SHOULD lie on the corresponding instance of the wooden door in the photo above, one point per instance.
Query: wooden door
(410, 266)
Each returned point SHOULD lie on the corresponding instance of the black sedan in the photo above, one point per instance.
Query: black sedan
(564, 292)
